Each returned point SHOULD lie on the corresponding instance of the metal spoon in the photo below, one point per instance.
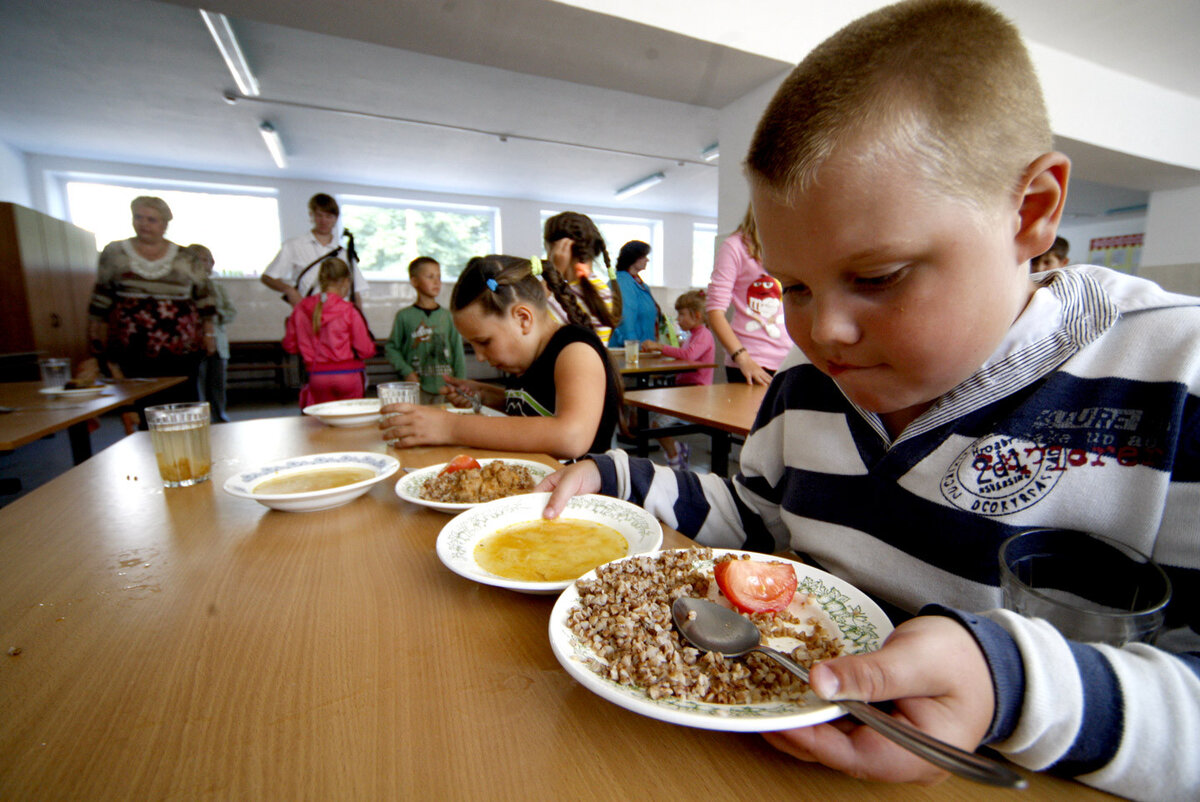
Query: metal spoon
(713, 628)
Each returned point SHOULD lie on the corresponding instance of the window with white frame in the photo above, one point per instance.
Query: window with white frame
(704, 251)
(240, 225)
(390, 233)
(619, 230)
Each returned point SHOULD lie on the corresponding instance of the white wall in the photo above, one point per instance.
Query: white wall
(1080, 233)
(14, 181)
(1172, 252)
(736, 123)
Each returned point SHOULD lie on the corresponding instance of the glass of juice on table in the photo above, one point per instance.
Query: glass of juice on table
(632, 351)
(179, 433)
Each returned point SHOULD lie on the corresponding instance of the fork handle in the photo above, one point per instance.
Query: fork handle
(938, 752)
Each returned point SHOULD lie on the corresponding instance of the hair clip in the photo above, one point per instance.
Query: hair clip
(612, 273)
(492, 285)
(535, 266)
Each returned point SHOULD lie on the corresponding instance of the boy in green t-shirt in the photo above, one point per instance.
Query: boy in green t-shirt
(425, 346)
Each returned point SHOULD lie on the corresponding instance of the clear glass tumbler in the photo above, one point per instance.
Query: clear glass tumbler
(1091, 588)
(55, 373)
(180, 434)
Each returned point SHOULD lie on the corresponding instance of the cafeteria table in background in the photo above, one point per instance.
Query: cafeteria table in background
(650, 366)
(721, 411)
(36, 415)
(184, 643)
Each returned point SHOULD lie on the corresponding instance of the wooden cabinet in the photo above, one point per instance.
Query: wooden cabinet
(47, 270)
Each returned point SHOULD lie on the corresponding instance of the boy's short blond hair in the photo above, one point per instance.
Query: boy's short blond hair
(693, 300)
(944, 85)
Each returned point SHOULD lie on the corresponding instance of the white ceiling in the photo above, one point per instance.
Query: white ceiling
(589, 102)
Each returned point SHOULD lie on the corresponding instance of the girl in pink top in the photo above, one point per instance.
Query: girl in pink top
(698, 348)
(331, 335)
(755, 340)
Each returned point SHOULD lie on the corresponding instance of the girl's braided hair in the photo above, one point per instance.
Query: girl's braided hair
(587, 243)
(513, 280)
(332, 271)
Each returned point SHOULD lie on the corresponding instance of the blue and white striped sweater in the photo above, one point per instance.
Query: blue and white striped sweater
(1086, 417)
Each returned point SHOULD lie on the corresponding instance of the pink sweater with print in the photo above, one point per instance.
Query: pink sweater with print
(738, 280)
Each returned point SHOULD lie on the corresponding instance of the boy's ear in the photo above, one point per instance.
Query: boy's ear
(1043, 197)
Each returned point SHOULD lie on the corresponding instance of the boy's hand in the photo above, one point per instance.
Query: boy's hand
(935, 672)
(405, 425)
(574, 480)
(459, 392)
(412, 377)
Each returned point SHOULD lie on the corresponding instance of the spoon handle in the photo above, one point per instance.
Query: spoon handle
(938, 752)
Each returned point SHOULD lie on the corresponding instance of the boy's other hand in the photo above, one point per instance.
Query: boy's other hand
(574, 480)
(935, 672)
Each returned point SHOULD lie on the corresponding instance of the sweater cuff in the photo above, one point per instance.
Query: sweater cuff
(608, 473)
(1004, 662)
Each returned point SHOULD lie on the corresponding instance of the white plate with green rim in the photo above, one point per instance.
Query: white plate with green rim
(861, 625)
(457, 541)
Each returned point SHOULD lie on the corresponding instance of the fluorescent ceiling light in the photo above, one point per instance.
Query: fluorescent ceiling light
(227, 43)
(274, 144)
(639, 186)
(712, 152)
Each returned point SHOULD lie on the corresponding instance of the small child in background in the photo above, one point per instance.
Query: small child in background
(1055, 257)
(211, 379)
(581, 291)
(563, 396)
(330, 334)
(699, 347)
(424, 346)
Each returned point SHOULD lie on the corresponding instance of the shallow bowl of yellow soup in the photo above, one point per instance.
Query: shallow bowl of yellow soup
(508, 544)
(313, 482)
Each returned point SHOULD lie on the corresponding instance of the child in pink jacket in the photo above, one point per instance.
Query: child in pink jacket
(331, 335)
(699, 347)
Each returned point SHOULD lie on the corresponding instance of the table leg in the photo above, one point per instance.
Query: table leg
(81, 441)
(641, 435)
(720, 453)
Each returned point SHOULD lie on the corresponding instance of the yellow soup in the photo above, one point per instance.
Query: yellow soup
(317, 479)
(549, 551)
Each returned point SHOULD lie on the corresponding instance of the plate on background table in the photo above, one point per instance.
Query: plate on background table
(347, 412)
(411, 484)
(860, 623)
(245, 484)
(74, 393)
(457, 540)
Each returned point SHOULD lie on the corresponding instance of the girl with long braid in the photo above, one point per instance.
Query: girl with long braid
(580, 290)
(562, 397)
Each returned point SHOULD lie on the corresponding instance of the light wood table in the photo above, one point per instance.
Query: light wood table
(183, 643)
(38, 415)
(719, 410)
(651, 365)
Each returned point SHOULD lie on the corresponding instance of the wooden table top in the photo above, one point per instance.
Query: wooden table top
(38, 415)
(184, 643)
(655, 363)
(728, 407)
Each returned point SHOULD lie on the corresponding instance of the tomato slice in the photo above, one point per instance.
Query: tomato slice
(756, 587)
(460, 463)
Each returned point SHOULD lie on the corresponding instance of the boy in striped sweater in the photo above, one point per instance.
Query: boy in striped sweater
(943, 398)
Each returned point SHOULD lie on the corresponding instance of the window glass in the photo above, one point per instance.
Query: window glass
(240, 228)
(619, 230)
(704, 251)
(388, 234)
